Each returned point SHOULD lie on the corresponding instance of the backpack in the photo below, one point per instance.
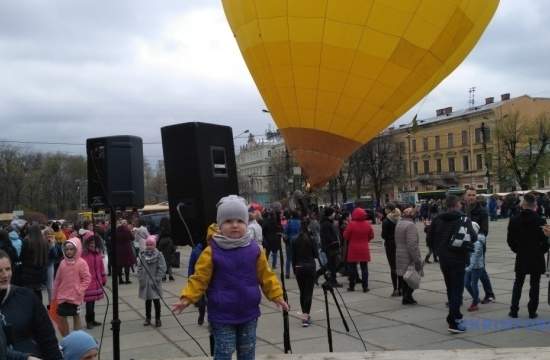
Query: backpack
(461, 239)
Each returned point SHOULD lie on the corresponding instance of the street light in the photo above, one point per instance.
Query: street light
(484, 143)
(244, 132)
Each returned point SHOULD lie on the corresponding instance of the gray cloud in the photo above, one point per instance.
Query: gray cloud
(71, 70)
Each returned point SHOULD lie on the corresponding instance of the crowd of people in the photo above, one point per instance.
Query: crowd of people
(329, 241)
(244, 245)
(71, 264)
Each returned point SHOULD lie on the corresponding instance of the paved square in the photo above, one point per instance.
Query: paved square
(383, 322)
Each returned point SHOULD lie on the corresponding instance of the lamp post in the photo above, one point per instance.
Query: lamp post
(252, 190)
(487, 170)
(409, 158)
(242, 133)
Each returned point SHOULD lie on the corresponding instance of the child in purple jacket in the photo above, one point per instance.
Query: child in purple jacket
(233, 290)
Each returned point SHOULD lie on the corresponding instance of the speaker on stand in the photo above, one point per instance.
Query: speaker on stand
(115, 180)
(199, 160)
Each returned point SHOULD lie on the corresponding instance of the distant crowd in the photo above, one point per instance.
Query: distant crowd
(234, 264)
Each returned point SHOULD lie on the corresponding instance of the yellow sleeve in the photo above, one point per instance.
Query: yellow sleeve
(268, 280)
(198, 282)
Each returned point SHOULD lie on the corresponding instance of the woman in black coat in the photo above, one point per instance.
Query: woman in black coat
(26, 321)
(166, 246)
(304, 252)
(34, 260)
(272, 231)
(388, 234)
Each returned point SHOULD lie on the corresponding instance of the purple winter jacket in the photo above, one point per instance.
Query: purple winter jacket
(234, 292)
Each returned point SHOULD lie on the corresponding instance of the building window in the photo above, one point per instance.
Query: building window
(438, 165)
(414, 145)
(426, 167)
(401, 148)
(450, 140)
(437, 142)
(415, 168)
(268, 153)
(451, 164)
(479, 135)
(464, 137)
(425, 144)
(465, 163)
(479, 161)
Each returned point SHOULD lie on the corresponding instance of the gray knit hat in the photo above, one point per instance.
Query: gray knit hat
(232, 207)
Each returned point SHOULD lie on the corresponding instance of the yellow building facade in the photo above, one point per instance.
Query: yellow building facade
(448, 150)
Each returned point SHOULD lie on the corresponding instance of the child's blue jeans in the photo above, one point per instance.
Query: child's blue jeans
(471, 279)
(228, 338)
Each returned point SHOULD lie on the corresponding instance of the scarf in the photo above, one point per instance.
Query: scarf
(150, 255)
(229, 243)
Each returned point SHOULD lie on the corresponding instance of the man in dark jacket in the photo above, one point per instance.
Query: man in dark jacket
(452, 261)
(526, 238)
(330, 243)
(478, 213)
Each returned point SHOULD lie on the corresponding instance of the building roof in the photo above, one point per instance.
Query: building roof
(460, 113)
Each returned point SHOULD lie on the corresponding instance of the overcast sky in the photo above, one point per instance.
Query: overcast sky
(70, 70)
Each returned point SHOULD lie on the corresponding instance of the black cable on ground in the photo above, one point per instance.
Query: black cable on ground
(168, 307)
(104, 320)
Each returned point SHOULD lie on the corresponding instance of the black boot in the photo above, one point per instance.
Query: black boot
(147, 322)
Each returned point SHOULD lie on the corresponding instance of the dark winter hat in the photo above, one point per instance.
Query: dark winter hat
(232, 207)
(329, 211)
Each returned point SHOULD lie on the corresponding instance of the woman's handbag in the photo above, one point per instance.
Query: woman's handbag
(412, 277)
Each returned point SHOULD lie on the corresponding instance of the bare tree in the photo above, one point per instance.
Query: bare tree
(356, 169)
(279, 165)
(342, 180)
(40, 182)
(157, 184)
(524, 146)
(381, 163)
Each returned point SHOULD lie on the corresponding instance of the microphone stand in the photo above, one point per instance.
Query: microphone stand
(286, 327)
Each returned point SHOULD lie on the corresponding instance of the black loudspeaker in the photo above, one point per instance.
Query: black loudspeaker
(199, 160)
(115, 172)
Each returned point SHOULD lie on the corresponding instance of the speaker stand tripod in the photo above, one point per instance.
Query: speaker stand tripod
(115, 323)
(327, 287)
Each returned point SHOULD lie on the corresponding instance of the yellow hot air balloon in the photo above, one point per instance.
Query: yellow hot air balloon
(334, 73)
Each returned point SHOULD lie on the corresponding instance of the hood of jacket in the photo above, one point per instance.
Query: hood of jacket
(358, 214)
(78, 245)
(451, 215)
(14, 236)
(394, 215)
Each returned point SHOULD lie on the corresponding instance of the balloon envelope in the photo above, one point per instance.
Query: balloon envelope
(334, 73)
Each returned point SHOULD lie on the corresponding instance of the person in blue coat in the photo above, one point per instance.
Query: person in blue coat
(292, 231)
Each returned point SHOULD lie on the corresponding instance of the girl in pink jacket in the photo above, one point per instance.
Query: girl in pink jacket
(94, 259)
(70, 284)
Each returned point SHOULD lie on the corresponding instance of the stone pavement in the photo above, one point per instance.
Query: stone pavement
(383, 322)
